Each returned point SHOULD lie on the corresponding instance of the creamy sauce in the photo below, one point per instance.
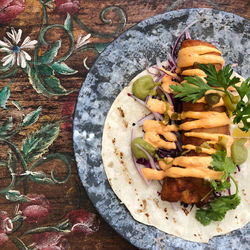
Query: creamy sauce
(207, 119)
(198, 54)
(208, 151)
(175, 172)
(189, 166)
(153, 130)
(166, 82)
(155, 105)
(213, 138)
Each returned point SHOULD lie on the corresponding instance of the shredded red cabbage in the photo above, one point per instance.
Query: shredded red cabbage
(143, 162)
(147, 117)
(179, 38)
(150, 158)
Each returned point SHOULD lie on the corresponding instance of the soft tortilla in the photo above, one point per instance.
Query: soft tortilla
(144, 202)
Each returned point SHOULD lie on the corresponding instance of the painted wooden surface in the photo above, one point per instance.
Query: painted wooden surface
(54, 88)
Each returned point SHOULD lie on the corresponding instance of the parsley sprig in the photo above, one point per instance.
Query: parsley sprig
(194, 88)
(217, 209)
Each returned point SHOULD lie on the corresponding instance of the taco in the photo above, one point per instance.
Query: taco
(167, 149)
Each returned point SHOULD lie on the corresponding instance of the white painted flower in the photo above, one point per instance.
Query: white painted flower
(82, 40)
(16, 53)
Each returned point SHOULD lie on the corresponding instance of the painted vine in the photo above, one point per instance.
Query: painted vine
(22, 162)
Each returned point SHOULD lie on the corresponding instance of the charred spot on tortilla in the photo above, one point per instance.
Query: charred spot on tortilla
(121, 112)
(125, 123)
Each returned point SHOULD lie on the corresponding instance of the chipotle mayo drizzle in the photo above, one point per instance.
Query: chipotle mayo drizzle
(192, 166)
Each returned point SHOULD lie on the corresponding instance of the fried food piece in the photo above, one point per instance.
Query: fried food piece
(187, 190)
(192, 190)
(192, 43)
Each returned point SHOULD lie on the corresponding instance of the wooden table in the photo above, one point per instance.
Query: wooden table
(37, 102)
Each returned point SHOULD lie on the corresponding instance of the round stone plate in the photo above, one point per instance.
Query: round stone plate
(123, 59)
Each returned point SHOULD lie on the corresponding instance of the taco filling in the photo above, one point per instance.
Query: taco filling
(183, 154)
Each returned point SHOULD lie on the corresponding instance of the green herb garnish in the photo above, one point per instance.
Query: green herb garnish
(194, 88)
(217, 209)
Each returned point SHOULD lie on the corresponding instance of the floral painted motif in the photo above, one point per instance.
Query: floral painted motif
(16, 53)
(83, 221)
(67, 6)
(9, 9)
(35, 209)
(6, 227)
(41, 62)
(50, 241)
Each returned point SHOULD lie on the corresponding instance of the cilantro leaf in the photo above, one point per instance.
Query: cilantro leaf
(205, 216)
(222, 163)
(220, 78)
(225, 203)
(242, 110)
(187, 92)
(217, 209)
(219, 185)
(194, 88)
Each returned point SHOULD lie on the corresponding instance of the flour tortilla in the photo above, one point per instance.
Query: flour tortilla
(144, 202)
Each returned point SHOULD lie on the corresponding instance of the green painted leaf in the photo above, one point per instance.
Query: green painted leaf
(40, 177)
(4, 96)
(32, 117)
(15, 195)
(37, 143)
(50, 54)
(68, 23)
(63, 68)
(45, 70)
(53, 83)
(17, 105)
(100, 47)
(7, 126)
(48, 86)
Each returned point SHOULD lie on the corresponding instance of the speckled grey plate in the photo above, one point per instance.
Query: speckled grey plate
(125, 57)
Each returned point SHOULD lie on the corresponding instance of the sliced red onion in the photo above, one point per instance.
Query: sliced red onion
(137, 99)
(134, 160)
(160, 78)
(150, 158)
(147, 117)
(173, 69)
(150, 72)
(167, 96)
(179, 38)
(187, 34)
(171, 60)
(158, 117)
(175, 77)
(238, 167)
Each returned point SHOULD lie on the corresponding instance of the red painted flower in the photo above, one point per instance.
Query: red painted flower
(83, 221)
(3, 238)
(9, 9)
(50, 241)
(67, 6)
(67, 114)
(36, 209)
(6, 226)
